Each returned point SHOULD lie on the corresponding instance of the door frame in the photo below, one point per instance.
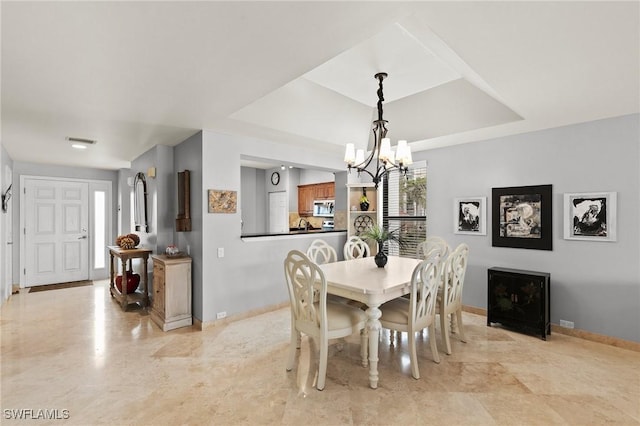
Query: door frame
(94, 185)
(6, 251)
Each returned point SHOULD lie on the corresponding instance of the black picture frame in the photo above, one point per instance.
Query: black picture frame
(522, 217)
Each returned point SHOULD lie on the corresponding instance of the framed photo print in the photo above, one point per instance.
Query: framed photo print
(470, 215)
(522, 217)
(590, 216)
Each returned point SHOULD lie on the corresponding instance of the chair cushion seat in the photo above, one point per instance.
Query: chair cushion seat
(341, 315)
(396, 311)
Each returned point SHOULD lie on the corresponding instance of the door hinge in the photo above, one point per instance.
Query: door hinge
(24, 272)
(24, 231)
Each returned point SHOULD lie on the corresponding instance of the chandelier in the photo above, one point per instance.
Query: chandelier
(385, 159)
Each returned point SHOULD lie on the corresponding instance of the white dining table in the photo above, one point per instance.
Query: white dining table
(362, 280)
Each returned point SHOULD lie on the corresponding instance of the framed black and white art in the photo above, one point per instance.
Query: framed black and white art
(470, 215)
(522, 217)
(590, 216)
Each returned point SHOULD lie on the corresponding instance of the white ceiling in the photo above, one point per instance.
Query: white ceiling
(135, 74)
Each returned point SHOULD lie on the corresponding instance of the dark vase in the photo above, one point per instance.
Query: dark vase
(380, 258)
(364, 206)
(132, 282)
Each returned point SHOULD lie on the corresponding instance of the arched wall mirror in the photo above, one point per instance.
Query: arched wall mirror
(140, 203)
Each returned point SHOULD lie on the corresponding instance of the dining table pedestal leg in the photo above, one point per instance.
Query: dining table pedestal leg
(373, 326)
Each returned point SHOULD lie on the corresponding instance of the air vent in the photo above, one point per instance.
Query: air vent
(81, 140)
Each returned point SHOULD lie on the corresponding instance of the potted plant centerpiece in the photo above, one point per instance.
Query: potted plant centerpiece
(381, 235)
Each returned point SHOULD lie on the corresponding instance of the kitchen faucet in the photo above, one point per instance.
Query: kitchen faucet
(306, 223)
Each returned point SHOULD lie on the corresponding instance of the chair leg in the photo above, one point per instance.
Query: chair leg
(444, 329)
(364, 347)
(295, 344)
(413, 356)
(460, 326)
(322, 370)
(432, 341)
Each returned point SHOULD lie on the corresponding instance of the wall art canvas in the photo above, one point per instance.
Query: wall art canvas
(221, 201)
(590, 216)
(470, 215)
(522, 217)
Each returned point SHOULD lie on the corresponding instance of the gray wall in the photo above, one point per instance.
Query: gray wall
(161, 196)
(188, 156)
(250, 276)
(594, 284)
(253, 204)
(33, 169)
(309, 176)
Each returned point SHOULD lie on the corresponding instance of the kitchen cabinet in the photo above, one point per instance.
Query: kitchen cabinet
(520, 300)
(306, 194)
(325, 191)
(171, 306)
(315, 191)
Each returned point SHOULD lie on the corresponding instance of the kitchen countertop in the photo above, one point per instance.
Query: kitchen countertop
(293, 232)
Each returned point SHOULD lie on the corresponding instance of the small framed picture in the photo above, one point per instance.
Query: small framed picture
(590, 216)
(222, 201)
(470, 215)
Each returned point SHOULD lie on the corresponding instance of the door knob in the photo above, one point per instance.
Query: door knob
(83, 237)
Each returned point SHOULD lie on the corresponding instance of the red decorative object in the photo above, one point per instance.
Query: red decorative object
(133, 280)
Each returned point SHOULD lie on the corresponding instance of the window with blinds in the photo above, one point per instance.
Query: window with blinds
(405, 208)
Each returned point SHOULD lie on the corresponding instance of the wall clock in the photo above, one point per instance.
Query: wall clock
(275, 178)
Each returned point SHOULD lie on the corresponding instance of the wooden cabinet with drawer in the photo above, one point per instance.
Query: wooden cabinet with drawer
(171, 306)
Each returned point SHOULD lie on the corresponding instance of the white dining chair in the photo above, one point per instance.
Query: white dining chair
(433, 245)
(320, 252)
(316, 317)
(450, 295)
(418, 311)
(355, 248)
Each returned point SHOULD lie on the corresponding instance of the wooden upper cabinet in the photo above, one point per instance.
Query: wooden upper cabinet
(325, 191)
(306, 195)
(316, 191)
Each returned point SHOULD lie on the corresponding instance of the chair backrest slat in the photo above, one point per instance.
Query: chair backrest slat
(320, 252)
(306, 283)
(425, 281)
(433, 246)
(355, 248)
(454, 273)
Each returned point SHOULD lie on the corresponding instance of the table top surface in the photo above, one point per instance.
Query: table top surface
(130, 252)
(363, 275)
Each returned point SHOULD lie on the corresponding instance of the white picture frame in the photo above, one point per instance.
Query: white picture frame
(474, 209)
(590, 216)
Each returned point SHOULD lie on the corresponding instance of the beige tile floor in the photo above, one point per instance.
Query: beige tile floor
(76, 350)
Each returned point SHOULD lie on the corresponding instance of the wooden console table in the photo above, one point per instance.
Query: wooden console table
(123, 297)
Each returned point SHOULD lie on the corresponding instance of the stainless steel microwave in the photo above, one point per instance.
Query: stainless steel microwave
(323, 208)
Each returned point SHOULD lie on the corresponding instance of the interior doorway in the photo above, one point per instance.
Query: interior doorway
(278, 212)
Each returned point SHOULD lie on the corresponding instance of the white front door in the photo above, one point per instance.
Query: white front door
(56, 231)
(278, 212)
